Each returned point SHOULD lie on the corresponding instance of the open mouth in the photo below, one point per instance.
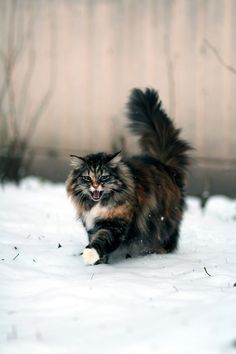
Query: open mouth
(96, 195)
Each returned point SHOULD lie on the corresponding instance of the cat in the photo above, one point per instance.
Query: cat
(133, 205)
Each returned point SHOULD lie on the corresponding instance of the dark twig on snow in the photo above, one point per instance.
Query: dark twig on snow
(15, 256)
(91, 278)
(176, 289)
(207, 272)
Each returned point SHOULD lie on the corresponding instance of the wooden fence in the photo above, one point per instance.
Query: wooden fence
(79, 59)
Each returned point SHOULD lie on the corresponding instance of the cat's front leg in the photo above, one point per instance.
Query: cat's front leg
(105, 238)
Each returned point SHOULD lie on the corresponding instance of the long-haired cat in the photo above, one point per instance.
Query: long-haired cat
(133, 205)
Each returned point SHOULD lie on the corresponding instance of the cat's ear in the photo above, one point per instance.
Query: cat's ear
(76, 161)
(115, 158)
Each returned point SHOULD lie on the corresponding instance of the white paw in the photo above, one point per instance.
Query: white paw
(90, 256)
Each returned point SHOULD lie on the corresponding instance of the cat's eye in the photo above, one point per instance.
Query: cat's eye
(86, 178)
(104, 178)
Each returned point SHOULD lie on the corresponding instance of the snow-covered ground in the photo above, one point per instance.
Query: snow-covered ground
(50, 302)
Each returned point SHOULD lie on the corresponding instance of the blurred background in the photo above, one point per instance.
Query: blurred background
(67, 67)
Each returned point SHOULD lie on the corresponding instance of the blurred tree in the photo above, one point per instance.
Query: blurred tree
(15, 153)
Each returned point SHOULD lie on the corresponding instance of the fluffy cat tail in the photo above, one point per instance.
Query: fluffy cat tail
(158, 136)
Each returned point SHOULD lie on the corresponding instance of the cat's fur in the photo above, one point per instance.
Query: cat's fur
(134, 205)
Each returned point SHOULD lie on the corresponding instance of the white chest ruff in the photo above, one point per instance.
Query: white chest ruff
(89, 217)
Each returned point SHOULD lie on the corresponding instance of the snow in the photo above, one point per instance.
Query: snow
(50, 302)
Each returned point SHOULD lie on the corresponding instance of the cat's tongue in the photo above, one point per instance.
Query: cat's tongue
(96, 194)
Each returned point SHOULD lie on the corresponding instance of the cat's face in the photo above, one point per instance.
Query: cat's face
(97, 177)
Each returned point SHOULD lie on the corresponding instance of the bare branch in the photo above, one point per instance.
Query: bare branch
(3, 89)
(23, 36)
(3, 93)
(2, 56)
(13, 51)
(35, 117)
(29, 71)
(20, 41)
(12, 106)
(217, 55)
(8, 59)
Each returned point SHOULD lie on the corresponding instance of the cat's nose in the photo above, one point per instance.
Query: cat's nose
(95, 185)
